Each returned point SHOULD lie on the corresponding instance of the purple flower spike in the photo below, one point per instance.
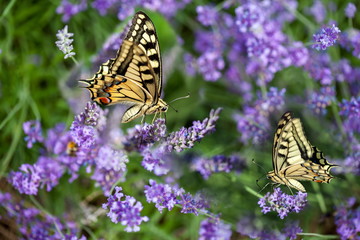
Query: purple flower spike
(142, 136)
(218, 163)
(214, 229)
(102, 5)
(28, 180)
(247, 16)
(347, 220)
(350, 110)
(192, 204)
(326, 38)
(291, 230)
(350, 10)
(319, 101)
(207, 15)
(282, 203)
(86, 125)
(210, 64)
(68, 9)
(127, 211)
(166, 196)
(33, 131)
(163, 195)
(186, 137)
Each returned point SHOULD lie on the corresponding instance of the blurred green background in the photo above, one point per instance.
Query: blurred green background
(37, 83)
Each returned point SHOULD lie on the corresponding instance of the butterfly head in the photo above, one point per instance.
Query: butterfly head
(162, 105)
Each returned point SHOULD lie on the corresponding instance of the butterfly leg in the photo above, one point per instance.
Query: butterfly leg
(143, 119)
(154, 117)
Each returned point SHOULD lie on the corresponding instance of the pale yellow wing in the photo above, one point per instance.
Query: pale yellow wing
(134, 76)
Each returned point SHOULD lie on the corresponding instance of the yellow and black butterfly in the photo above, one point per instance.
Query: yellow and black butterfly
(294, 158)
(134, 77)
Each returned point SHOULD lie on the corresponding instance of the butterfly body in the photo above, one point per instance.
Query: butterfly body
(134, 77)
(294, 158)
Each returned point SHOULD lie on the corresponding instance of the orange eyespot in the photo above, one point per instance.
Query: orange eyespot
(104, 101)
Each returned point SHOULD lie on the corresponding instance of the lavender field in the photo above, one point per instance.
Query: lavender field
(208, 167)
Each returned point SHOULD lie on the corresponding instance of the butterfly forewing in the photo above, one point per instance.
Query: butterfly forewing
(134, 77)
(143, 34)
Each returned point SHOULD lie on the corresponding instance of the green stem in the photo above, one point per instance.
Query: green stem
(75, 61)
(35, 109)
(263, 88)
(15, 139)
(256, 194)
(319, 197)
(319, 235)
(300, 17)
(38, 205)
(90, 232)
(7, 9)
(11, 114)
(350, 22)
(337, 118)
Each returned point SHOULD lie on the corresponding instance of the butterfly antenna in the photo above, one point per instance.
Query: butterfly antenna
(263, 187)
(253, 161)
(173, 108)
(187, 96)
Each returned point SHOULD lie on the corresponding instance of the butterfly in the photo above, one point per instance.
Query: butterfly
(134, 77)
(294, 158)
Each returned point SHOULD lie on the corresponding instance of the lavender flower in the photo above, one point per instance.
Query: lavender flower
(107, 178)
(253, 123)
(86, 125)
(291, 230)
(163, 195)
(127, 8)
(34, 224)
(274, 101)
(192, 204)
(69, 9)
(33, 131)
(190, 64)
(299, 54)
(218, 163)
(247, 227)
(247, 16)
(28, 180)
(110, 159)
(126, 211)
(252, 126)
(157, 160)
(102, 5)
(319, 101)
(65, 42)
(326, 38)
(347, 220)
(318, 10)
(350, 110)
(142, 136)
(186, 137)
(166, 196)
(350, 10)
(214, 229)
(207, 15)
(210, 64)
(282, 203)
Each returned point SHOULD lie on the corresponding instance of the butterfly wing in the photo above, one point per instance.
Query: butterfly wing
(134, 76)
(294, 158)
(143, 34)
(286, 151)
